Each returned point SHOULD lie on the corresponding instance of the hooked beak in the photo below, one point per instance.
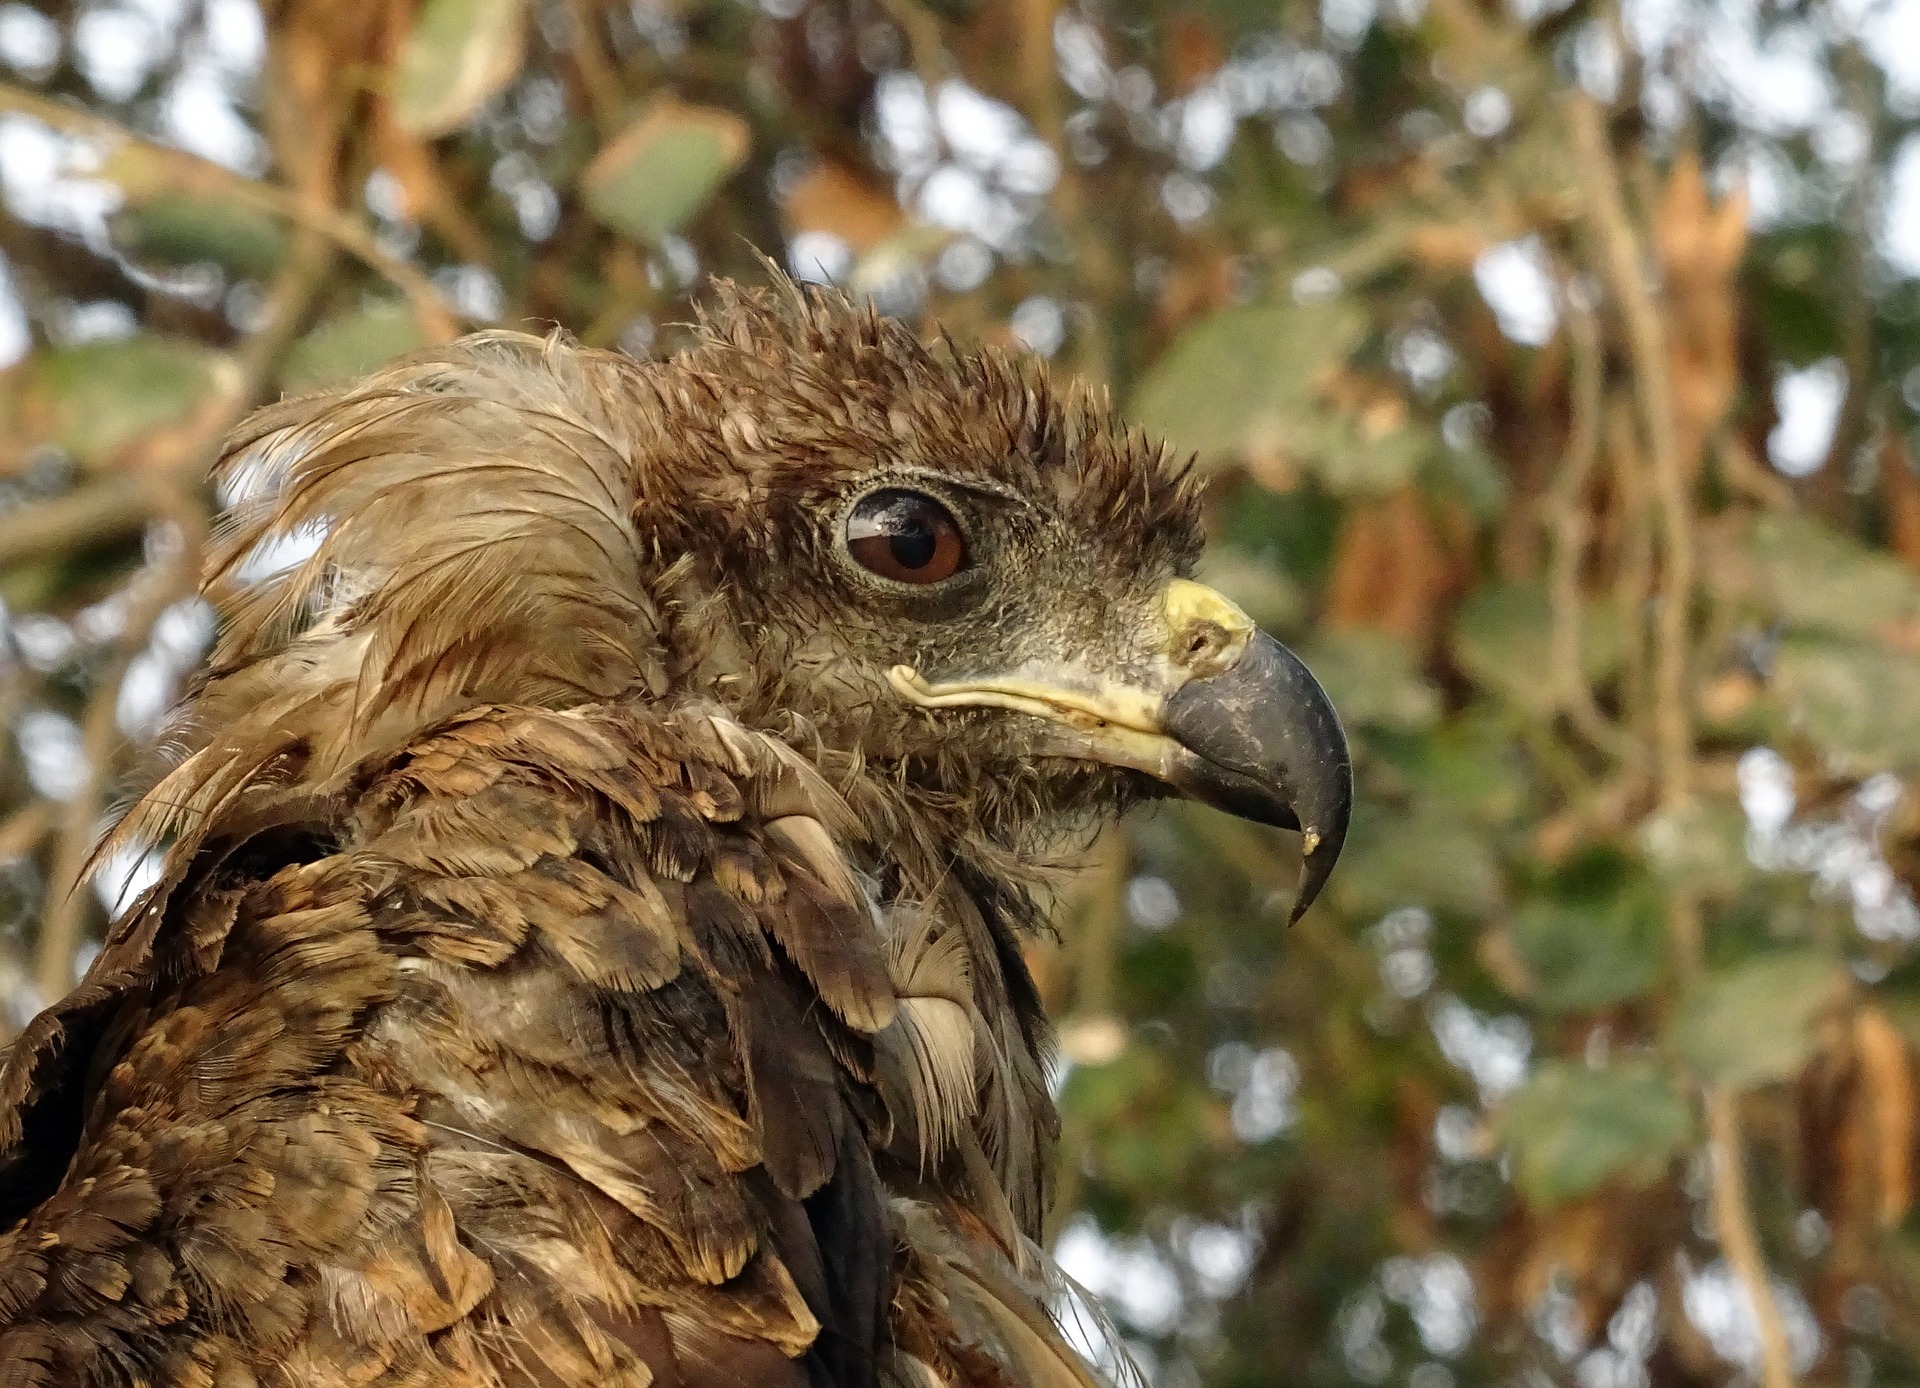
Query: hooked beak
(1222, 712)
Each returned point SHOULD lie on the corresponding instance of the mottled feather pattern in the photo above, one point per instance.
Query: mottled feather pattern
(541, 986)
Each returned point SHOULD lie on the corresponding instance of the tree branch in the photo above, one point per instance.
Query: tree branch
(59, 939)
(181, 170)
(1569, 526)
(1623, 263)
(1733, 1222)
(599, 77)
(1622, 260)
(96, 512)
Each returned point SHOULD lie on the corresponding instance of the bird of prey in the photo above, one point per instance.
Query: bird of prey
(587, 952)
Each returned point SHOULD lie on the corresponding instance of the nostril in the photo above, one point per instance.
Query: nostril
(1205, 640)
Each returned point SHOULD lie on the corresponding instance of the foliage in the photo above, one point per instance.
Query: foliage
(1595, 1064)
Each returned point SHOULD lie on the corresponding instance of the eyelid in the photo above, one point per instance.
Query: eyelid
(976, 487)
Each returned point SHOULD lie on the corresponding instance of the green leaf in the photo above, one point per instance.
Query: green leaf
(1420, 859)
(1797, 570)
(1753, 1024)
(1151, 1130)
(1468, 767)
(460, 55)
(1859, 701)
(1240, 379)
(98, 397)
(1700, 845)
(1474, 476)
(1592, 949)
(1293, 532)
(1373, 677)
(1263, 591)
(1796, 281)
(1160, 974)
(181, 229)
(351, 345)
(1573, 1128)
(1504, 639)
(657, 175)
(1351, 463)
(1247, 380)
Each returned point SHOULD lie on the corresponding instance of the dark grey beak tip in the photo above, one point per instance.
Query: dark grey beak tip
(1265, 743)
(1317, 866)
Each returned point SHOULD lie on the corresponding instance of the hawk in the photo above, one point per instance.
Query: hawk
(587, 952)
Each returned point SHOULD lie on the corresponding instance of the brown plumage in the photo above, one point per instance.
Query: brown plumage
(585, 956)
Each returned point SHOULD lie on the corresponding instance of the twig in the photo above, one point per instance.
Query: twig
(1747, 475)
(183, 170)
(924, 43)
(1100, 909)
(1858, 348)
(1567, 518)
(429, 200)
(1091, 947)
(102, 510)
(109, 508)
(598, 75)
(282, 312)
(1633, 577)
(1100, 254)
(1622, 259)
(22, 830)
(173, 494)
(59, 938)
(1733, 1221)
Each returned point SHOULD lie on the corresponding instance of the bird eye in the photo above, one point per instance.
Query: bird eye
(905, 536)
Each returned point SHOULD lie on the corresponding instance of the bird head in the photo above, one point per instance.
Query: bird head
(928, 563)
(974, 582)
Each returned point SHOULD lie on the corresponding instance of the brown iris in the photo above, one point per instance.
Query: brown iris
(905, 536)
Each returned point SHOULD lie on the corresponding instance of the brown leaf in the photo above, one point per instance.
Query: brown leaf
(1494, 949)
(1203, 280)
(1900, 488)
(1728, 696)
(1390, 568)
(312, 46)
(832, 197)
(1587, 1248)
(1699, 245)
(1886, 1073)
(1444, 246)
(1195, 50)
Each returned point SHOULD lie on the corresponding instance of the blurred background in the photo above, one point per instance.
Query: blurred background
(1556, 365)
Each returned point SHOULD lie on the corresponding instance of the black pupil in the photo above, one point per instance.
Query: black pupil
(906, 536)
(911, 540)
